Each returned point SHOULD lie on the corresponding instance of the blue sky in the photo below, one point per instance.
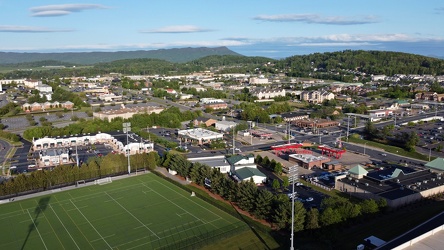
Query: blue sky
(273, 29)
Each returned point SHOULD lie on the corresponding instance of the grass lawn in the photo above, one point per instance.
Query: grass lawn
(143, 212)
(388, 148)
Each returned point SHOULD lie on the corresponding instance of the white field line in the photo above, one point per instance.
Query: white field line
(188, 228)
(36, 228)
(103, 237)
(133, 216)
(186, 212)
(91, 225)
(191, 200)
(64, 227)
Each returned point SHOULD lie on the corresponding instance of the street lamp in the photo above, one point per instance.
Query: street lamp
(126, 129)
(365, 145)
(293, 177)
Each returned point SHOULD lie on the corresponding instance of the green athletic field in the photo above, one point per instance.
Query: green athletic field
(142, 212)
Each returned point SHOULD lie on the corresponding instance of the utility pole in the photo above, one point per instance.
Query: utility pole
(126, 129)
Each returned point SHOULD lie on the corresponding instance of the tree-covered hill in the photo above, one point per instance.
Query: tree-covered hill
(370, 62)
(230, 60)
(173, 55)
(343, 66)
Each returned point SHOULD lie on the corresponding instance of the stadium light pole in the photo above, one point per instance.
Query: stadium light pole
(293, 176)
(348, 126)
(126, 129)
(77, 156)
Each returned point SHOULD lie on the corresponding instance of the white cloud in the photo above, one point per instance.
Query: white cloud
(336, 39)
(28, 29)
(177, 29)
(63, 9)
(317, 19)
(145, 46)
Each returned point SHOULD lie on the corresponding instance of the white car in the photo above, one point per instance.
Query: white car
(309, 199)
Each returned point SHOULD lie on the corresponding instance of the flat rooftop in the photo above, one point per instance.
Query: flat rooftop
(307, 157)
(404, 184)
(200, 133)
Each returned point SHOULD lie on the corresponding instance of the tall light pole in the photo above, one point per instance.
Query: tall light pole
(365, 145)
(430, 152)
(289, 133)
(126, 129)
(348, 126)
(293, 177)
(77, 155)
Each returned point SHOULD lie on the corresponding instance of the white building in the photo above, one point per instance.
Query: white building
(243, 168)
(116, 140)
(268, 93)
(225, 125)
(218, 162)
(110, 97)
(54, 157)
(199, 135)
(205, 101)
(258, 80)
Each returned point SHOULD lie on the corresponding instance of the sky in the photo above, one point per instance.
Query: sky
(275, 29)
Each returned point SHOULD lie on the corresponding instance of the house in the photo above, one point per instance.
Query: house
(427, 96)
(204, 121)
(243, 168)
(171, 91)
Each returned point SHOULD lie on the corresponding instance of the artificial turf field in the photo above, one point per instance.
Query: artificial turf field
(142, 212)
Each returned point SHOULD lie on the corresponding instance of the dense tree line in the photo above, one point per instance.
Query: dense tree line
(369, 62)
(272, 207)
(95, 168)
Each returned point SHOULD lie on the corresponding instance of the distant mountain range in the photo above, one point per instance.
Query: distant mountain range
(177, 55)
